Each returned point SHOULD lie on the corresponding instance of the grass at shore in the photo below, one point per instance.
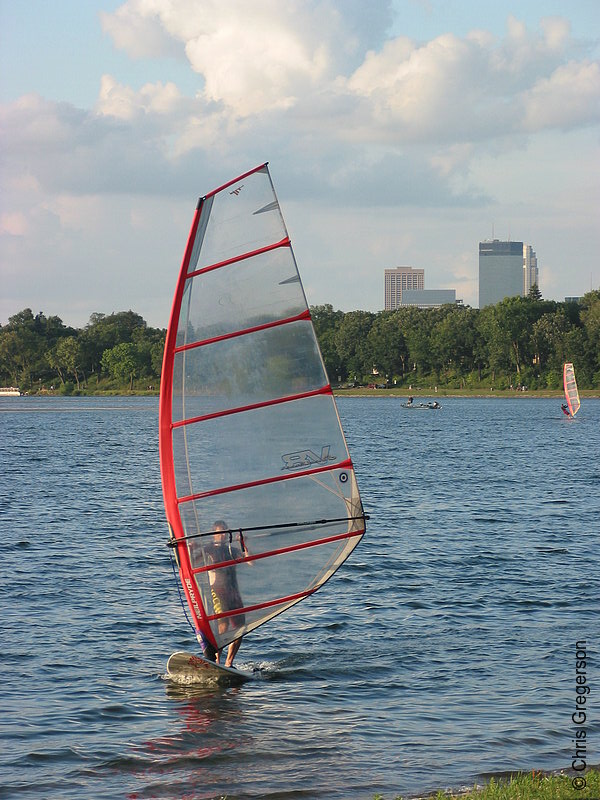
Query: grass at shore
(531, 786)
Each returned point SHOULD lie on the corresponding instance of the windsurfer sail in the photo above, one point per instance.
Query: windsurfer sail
(249, 434)
(571, 392)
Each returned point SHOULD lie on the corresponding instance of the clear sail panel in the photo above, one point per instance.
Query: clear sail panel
(243, 218)
(257, 446)
(282, 514)
(239, 296)
(235, 373)
(261, 584)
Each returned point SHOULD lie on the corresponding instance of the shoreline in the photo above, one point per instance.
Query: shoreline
(403, 392)
(504, 394)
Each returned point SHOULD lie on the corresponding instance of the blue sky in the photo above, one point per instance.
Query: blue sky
(398, 133)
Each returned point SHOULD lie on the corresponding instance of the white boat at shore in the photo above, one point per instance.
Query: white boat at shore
(10, 391)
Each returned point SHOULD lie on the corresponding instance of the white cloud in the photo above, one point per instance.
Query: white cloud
(253, 56)
(14, 224)
(122, 102)
(138, 28)
(462, 90)
(569, 98)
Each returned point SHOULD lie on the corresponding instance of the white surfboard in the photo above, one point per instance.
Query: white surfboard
(190, 668)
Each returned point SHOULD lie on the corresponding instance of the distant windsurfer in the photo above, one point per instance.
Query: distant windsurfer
(565, 409)
(224, 585)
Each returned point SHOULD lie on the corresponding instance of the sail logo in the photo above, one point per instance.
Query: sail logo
(238, 190)
(306, 458)
(188, 584)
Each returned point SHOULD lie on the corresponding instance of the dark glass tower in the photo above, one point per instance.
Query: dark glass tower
(500, 271)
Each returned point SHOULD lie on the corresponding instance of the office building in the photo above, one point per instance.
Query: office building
(530, 269)
(428, 298)
(500, 271)
(398, 280)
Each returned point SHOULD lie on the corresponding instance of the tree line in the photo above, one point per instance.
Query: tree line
(112, 352)
(521, 341)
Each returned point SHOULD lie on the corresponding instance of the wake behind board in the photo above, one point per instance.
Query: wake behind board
(188, 668)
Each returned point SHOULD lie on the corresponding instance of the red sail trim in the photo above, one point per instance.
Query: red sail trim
(280, 551)
(243, 257)
(347, 464)
(288, 399)
(305, 315)
(165, 440)
(235, 180)
(268, 604)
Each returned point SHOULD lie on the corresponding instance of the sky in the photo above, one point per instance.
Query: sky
(398, 133)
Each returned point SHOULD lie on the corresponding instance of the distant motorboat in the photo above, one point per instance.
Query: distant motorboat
(431, 406)
(10, 391)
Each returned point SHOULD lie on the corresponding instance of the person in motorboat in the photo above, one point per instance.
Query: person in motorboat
(409, 401)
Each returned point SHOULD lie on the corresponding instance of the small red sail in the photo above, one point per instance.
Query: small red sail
(571, 391)
(250, 438)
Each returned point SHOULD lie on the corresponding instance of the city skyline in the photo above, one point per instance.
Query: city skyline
(503, 265)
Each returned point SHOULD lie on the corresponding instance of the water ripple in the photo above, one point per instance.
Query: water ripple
(443, 651)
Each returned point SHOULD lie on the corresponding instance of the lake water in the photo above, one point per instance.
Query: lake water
(442, 652)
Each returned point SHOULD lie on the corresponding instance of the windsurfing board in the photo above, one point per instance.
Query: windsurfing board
(189, 668)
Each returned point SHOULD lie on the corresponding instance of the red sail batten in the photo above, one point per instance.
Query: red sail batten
(235, 180)
(253, 406)
(264, 481)
(280, 551)
(243, 257)
(267, 604)
(305, 315)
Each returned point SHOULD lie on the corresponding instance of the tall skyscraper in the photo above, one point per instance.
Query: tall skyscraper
(530, 269)
(398, 279)
(500, 271)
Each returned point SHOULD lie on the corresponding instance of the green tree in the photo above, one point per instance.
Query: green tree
(549, 340)
(497, 343)
(156, 356)
(590, 320)
(386, 345)
(416, 329)
(21, 348)
(105, 332)
(121, 362)
(69, 355)
(516, 318)
(327, 322)
(452, 338)
(351, 343)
